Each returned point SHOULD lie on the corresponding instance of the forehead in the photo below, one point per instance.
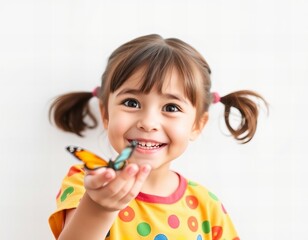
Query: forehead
(170, 82)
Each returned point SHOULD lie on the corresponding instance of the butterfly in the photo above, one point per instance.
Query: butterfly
(92, 161)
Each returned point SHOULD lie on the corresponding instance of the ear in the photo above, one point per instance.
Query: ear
(104, 115)
(198, 126)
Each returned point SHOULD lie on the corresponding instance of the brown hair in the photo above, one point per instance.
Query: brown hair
(157, 57)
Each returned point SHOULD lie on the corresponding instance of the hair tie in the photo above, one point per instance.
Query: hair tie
(215, 97)
(96, 91)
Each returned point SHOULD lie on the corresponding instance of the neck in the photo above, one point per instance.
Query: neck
(161, 183)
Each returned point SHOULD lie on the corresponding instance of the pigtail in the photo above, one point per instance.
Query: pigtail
(249, 110)
(68, 112)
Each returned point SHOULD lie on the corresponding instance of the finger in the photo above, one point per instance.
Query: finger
(123, 182)
(101, 177)
(110, 194)
(142, 175)
(98, 178)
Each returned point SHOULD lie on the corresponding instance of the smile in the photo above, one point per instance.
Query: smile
(148, 145)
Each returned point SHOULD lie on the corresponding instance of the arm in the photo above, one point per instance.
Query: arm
(88, 221)
(100, 205)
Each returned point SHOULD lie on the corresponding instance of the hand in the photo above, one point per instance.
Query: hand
(114, 190)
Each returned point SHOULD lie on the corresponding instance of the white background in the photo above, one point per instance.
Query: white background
(51, 47)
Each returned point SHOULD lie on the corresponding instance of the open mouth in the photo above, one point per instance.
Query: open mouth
(148, 145)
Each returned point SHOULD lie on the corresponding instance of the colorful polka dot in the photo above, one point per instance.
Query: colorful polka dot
(160, 237)
(73, 170)
(216, 232)
(199, 237)
(66, 193)
(143, 229)
(127, 214)
(206, 227)
(191, 183)
(192, 201)
(223, 209)
(173, 221)
(213, 196)
(192, 223)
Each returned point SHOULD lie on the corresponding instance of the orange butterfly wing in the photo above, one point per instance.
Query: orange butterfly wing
(91, 160)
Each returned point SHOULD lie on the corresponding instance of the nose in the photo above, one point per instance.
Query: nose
(148, 122)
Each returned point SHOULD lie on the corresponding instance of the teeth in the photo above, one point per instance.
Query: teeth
(148, 145)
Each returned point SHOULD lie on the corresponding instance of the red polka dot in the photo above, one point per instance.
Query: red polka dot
(73, 170)
(216, 232)
(192, 202)
(192, 223)
(127, 214)
(173, 221)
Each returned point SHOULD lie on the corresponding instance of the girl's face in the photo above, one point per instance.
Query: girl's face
(161, 123)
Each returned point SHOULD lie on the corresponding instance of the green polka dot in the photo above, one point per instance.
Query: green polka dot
(206, 227)
(212, 195)
(191, 183)
(66, 192)
(144, 229)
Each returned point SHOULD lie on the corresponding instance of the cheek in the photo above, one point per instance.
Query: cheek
(116, 130)
(179, 141)
(179, 134)
(182, 128)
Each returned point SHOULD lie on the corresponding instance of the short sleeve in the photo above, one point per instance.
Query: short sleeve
(72, 190)
(221, 224)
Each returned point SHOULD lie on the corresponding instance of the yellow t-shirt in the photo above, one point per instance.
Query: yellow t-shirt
(191, 213)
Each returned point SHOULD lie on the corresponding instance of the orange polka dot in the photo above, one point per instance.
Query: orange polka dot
(127, 214)
(192, 223)
(192, 202)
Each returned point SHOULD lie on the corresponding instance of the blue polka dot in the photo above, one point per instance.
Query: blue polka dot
(199, 237)
(160, 237)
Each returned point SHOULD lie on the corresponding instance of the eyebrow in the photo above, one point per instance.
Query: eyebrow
(170, 96)
(129, 91)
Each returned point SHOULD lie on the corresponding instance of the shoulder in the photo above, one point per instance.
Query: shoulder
(72, 184)
(207, 202)
(200, 191)
(75, 171)
(209, 205)
(205, 197)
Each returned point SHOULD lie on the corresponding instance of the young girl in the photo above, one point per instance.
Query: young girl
(156, 92)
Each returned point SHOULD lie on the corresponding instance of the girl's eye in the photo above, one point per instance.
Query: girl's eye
(171, 108)
(132, 103)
